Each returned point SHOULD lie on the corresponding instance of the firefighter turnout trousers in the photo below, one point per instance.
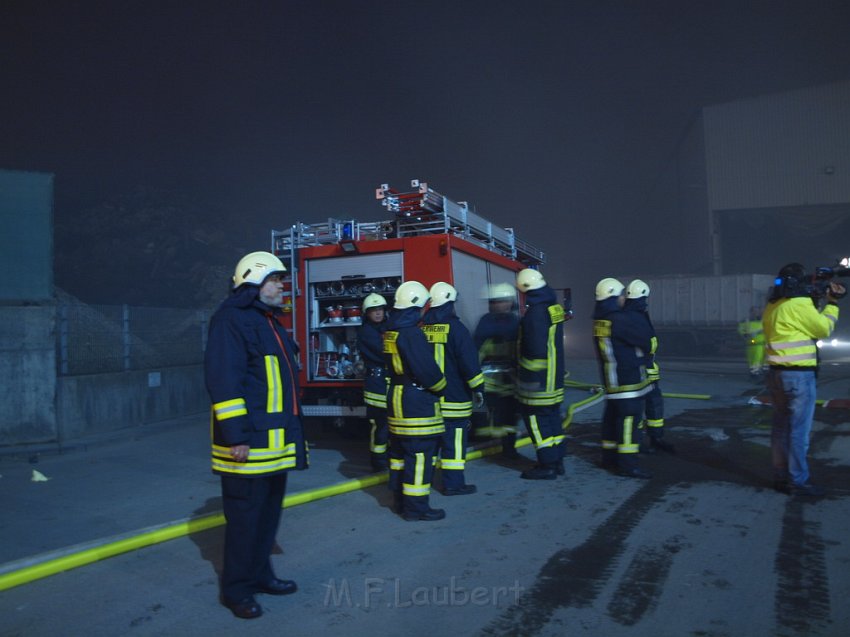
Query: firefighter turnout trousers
(621, 433)
(453, 452)
(378, 436)
(544, 426)
(412, 462)
(252, 508)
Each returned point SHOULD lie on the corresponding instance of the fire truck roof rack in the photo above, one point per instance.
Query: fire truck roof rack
(419, 212)
(425, 211)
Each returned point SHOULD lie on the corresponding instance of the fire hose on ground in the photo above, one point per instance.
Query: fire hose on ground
(30, 569)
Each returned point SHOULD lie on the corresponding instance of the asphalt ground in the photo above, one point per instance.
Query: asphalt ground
(704, 548)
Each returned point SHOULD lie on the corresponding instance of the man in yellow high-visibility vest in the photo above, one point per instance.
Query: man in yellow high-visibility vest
(792, 325)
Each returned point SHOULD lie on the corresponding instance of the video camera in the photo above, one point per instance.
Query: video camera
(823, 276)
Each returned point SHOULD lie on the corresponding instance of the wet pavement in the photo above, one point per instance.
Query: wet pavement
(704, 548)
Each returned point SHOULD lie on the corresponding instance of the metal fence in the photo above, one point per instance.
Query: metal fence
(94, 339)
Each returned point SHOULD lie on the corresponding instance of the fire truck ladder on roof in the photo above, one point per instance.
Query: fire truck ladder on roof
(425, 211)
(419, 212)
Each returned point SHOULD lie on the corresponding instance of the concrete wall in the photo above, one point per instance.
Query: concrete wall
(27, 374)
(37, 407)
(99, 403)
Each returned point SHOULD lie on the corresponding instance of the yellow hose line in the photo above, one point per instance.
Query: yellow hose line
(169, 532)
(688, 396)
(578, 406)
(144, 539)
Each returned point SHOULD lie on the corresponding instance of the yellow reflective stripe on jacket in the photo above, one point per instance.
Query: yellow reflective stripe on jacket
(401, 425)
(230, 409)
(535, 398)
(440, 385)
(456, 410)
(391, 348)
(274, 388)
(551, 351)
(376, 400)
(533, 364)
(277, 456)
(410, 428)
(475, 381)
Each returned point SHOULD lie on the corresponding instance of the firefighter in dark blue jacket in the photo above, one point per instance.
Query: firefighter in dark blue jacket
(621, 341)
(637, 301)
(455, 353)
(413, 404)
(250, 369)
(540, 373)
(370, 343)
(495, 338)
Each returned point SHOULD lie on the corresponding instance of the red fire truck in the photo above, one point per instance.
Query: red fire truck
(334, 265)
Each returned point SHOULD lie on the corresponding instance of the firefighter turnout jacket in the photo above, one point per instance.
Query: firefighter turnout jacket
(638, 308)
(495, 337)
(540, 370)
(457, 357)
(370, 343)
(416, 382)
(623, 340)
(791, 329)
(251, 376)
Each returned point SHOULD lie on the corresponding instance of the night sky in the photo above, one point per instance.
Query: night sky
(553, 117)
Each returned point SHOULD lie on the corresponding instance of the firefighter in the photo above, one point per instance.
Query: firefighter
(540, 373)
(413, 404)
(250, 370)
(495, 337)
(370, 343)
(753, 334)
(622, 341)
(457, 357)
(637, 301)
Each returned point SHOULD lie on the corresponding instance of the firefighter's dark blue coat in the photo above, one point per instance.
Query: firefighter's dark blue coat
(639, 308)
(622, 341)
(251, 376)
(457, 356)
(416, 382)
(540, 373)
(495, 338)
(370, 343)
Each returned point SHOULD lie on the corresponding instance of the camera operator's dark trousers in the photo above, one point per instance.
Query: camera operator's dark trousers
(252, 508)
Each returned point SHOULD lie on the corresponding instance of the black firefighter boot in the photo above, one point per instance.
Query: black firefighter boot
(628, 467)
(378, 462)
(656, 441)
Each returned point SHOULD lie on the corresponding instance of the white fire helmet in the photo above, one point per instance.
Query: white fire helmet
(529, 279)
(411, 294)
(637, 289)
(501, 292)
(607, 288)
(255, 267)
(442, 293)
(373, 300)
